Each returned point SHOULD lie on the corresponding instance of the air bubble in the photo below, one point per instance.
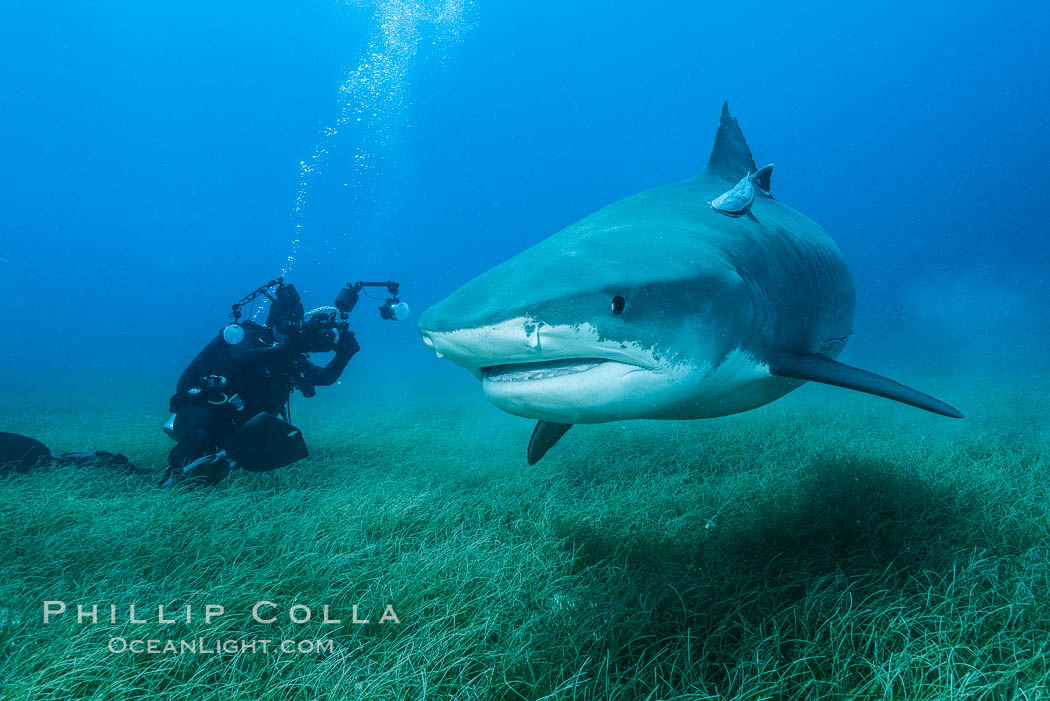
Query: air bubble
(373, 93)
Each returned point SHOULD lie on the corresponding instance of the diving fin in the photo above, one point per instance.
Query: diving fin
(22, 453)
(544, 436)
(820, 368)
(265, 443)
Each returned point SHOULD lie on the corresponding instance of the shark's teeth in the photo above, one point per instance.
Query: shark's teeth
(439, 354)
(528, 372)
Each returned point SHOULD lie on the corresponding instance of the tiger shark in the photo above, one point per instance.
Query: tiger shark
(660, 306)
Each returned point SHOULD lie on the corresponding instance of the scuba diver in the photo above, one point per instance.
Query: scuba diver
(227, 404)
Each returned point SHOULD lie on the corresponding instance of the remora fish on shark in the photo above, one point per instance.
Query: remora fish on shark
(737, 201)
(660, 307)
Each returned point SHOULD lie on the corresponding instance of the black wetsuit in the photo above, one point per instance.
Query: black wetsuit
(258, 371)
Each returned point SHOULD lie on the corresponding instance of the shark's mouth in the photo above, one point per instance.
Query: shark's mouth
(579, 389)
(531, 372)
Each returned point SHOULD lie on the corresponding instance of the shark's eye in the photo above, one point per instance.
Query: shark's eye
(618, 303)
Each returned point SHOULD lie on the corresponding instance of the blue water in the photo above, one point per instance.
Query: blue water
(159, 161)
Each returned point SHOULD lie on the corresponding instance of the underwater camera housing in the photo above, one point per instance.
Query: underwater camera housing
(393, 309)
(320, 332)
(324, 326)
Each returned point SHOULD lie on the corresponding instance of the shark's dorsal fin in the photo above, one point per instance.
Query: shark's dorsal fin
(730, 157)
(820, 368)
(544, 436)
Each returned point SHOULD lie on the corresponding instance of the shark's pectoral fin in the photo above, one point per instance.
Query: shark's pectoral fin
(820, 368)
(544, 436)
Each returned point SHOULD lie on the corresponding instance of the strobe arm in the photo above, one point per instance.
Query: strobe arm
(348, 296)
(262, 290)
(391, 286)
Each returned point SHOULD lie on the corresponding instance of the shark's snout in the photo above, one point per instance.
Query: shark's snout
(428, 341)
